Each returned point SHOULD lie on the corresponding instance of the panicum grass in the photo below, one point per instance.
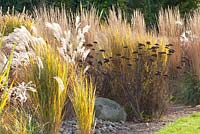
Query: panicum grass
(51, 75)
(82, 97)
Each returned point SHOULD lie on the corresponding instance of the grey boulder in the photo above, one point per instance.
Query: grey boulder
(107, 109)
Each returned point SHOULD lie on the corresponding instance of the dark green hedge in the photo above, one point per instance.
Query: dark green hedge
(150, 8)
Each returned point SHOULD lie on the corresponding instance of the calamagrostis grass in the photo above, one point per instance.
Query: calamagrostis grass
(138, 23)
(171, 26)
(192, 47)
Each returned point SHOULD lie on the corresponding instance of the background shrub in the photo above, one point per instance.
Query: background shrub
(190, 92)
(149, 8)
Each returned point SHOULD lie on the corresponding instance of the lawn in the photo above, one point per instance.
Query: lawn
(185, 125)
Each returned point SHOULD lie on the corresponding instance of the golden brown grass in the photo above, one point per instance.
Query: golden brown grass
(126, 66)
(82, 97)
(192, 48)
(51, 79)
(17, 120)
(138, 23)
(4, 83)
(169, 27)
(168, 23)
(11, 21)
(123, 77)
(117, 36)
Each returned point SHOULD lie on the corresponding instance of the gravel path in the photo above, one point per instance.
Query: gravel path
(106, 127)
(173, 114)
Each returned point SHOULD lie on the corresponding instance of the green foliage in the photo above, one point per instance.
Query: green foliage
(186, 125)
(19, 4)
(188, 6)
(191, 90)
(150, 8)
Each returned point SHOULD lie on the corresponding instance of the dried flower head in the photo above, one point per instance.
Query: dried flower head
(40, 65)
(20, 92)
(24, 41)
(55, 27)
(70, 52)
(60, 83)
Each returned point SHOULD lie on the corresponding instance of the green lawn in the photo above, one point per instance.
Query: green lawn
(185, 125)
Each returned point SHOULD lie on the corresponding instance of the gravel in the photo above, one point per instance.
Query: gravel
(107, 127)
(101, 127)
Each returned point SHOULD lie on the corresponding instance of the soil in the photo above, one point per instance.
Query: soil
(174, 112)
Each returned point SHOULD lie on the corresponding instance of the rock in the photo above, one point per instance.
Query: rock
(197, 106)
(98, 132)
(107, 109)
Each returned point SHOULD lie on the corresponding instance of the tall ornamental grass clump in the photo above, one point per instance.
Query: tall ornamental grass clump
(50, 74)
(70, 43)
(133, 66)
(126, 65)
(11, 21)
(139, 74)
(191, 45)
(82, 97)
(190, 91)
(13, 120)
(171, 25)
